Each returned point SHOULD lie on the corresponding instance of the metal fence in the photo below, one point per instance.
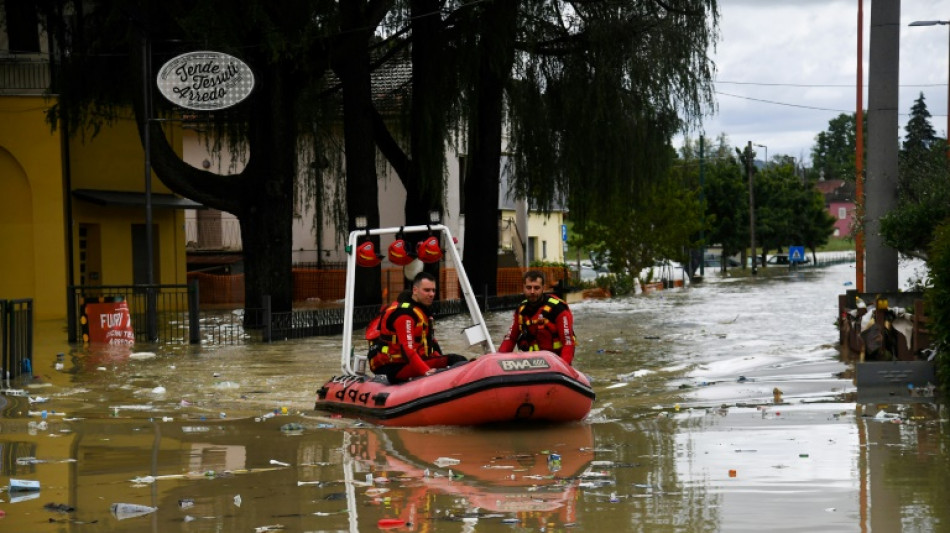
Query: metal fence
(159, 313)
(329, 321)
(172, 314)
(16, 339)
(175, 314)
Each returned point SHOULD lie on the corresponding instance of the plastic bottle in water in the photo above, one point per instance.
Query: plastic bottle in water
(131, 510)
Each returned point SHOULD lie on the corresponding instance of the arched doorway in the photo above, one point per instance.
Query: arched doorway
(18, 279)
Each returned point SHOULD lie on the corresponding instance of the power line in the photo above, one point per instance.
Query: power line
(801, 106)
(817, 85)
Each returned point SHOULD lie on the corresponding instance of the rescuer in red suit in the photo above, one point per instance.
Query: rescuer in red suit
(406, 347)
(541, 322)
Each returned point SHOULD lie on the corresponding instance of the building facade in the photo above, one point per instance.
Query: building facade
(72, 208)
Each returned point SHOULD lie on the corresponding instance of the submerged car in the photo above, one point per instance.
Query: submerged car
(782, 259)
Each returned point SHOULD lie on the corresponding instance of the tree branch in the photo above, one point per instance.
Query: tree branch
(390, 148)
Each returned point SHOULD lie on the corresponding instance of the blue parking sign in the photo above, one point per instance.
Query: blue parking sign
(564, 232)
(796, 254)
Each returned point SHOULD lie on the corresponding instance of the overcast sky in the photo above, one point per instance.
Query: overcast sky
(787, 67)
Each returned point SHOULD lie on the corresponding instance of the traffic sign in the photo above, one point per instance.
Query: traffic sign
(796, 254)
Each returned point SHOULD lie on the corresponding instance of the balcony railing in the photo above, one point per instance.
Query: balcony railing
(23, 76)
(213, 234)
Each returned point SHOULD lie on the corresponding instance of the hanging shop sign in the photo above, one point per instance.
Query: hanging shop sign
(205, 81)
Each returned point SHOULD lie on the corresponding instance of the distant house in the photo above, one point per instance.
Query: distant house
(840, 202)
(525, 234)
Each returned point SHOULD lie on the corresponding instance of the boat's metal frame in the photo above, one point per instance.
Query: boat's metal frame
(353, 364)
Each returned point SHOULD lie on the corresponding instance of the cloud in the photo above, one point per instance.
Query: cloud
(785, 68)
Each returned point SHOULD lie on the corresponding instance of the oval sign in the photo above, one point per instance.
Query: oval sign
(205, 81)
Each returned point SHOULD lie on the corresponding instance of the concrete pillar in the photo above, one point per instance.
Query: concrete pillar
(883, 133)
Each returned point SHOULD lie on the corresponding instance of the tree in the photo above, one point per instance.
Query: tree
(833, 154)
(727, 205)
(287, 46)
(923, 188)
(596, 91)
(789, 210)
(494, 49)
(663, 228)
(936, 298)
(921, 136)
(351, 63)
(561, 56)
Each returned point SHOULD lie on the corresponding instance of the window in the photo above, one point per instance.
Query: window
(842, 213)
(22, 27)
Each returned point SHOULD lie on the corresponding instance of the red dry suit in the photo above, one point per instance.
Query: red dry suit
(406, 347)
(545, 325)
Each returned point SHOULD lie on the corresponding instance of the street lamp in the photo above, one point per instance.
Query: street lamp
(940, 23)
(748, 169)
(766, 153)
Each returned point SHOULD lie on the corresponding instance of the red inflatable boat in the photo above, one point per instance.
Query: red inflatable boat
(498, 387)
(493, 388)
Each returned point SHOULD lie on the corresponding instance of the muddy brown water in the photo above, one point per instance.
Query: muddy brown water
(684, 435)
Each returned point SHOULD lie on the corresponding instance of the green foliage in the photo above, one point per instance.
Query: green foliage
(599, 94)
(833, 154)
(923, 188)
(551, 264)
(920, 135)
(727, 205)
(789, 210)
(937, 298)
(618, 284)
(663, 228)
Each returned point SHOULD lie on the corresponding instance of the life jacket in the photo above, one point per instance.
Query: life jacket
(537, 327)
(374, 329)
(386, 348)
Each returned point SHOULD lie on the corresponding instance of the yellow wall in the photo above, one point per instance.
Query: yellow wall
(115, 160)
(32, 241)
(541, 228)
(547, 229)
(32, 230)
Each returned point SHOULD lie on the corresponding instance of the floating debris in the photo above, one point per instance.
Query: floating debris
(123, 511)
(61, 508)
(443, 462)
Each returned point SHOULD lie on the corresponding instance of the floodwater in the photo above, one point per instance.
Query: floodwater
(685, 434)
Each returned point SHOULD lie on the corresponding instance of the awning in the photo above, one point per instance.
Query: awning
(134, 199)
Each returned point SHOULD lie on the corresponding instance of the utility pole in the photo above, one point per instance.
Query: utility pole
(702, 203)
(748, 169)
(880, 184)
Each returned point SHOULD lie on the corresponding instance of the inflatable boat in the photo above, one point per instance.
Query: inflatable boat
(492, 388)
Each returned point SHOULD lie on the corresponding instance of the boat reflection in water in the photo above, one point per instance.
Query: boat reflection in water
(498, 474)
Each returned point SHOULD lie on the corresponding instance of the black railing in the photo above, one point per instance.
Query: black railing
(314, 322)
(171, 314)
(16, 339)
(159, 313)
